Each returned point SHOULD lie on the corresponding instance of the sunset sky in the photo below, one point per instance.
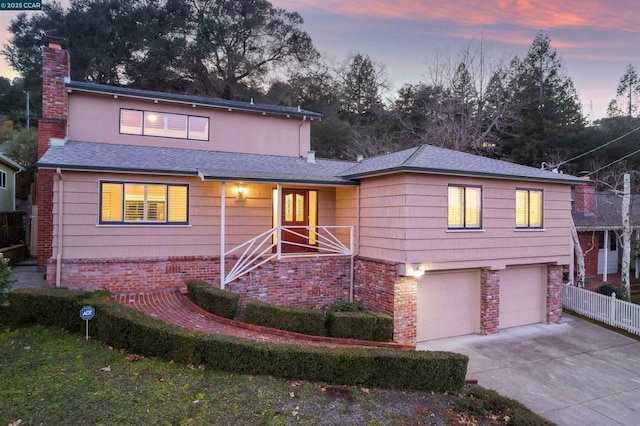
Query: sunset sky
(596, 39)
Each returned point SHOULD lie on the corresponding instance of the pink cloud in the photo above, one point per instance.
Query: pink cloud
(535, 15)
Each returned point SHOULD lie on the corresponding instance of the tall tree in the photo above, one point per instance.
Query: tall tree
(547, 104)
(362, 86)
(629, 89)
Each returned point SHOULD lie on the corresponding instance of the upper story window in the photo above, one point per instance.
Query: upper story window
(150, 123)
(3, 180)
(528, 208)
(143, 203)
(464, 208)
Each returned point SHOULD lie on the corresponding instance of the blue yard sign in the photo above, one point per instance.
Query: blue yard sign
(87, 313)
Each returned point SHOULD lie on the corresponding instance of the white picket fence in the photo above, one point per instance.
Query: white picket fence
(607, 309)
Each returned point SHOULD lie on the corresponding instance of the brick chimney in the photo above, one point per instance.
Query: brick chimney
(585, 198)
(53, 124)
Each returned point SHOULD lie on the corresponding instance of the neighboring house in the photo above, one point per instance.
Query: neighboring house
(141, 191)
(598, 219)
(8, 171)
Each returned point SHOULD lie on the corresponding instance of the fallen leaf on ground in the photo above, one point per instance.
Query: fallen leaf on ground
(365, 390)
(106, 369)
(292, 394)
(201, 367)
(16, 423)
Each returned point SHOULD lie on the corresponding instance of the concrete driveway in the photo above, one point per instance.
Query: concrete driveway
(572, 373)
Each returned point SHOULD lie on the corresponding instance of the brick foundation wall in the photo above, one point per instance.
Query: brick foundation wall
(313, 283)
(134, 275)
(554, 293)
(379, 287)
(489, 302)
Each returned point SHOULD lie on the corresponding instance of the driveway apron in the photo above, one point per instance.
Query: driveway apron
(572, 373)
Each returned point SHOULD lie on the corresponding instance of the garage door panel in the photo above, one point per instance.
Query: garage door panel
(448, 304)
(522, 296)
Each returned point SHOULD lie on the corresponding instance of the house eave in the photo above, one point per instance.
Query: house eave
(404, 169)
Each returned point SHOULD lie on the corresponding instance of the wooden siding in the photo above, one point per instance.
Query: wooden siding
(95, 118)
(404, 219)
(85, 238)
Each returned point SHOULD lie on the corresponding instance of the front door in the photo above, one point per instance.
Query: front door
(295, 213)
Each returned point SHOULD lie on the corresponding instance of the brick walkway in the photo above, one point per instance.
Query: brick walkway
(175, 308)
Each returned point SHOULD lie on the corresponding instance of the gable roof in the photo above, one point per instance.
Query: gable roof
(608, 214)
(432, 159)
(9, 162)
(209, 165)
(189, 99)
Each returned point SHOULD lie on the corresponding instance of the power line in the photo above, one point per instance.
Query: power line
(614, 162)
(600, 147)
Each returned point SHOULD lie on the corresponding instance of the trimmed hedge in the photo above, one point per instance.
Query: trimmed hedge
(359, 325)
(305, 321)
(123, 327)
(212, 299)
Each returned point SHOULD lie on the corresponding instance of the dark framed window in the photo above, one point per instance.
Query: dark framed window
(164, 124)
(529, 208)
(464, 207)
(144, 203)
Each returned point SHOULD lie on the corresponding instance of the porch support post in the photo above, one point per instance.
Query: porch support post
(606, 256)
(223, 200)
(279, 220)
(572, 264)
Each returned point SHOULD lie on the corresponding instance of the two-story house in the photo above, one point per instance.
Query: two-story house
(141, 191)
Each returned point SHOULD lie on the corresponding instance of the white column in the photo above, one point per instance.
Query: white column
(636, 254)
(606, 256)
(223, 200)
(279, 220)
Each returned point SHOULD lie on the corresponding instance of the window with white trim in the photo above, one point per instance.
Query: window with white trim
(3, 180)
(464, 207)
(146, 203)
(529, 208)
(163, 124)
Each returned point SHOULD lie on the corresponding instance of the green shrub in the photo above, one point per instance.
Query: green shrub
(359, 325)
(212, 299)
(305, 321)
(125, 328)
(343, 306)
(46, 306)
(6, 277)
(608, 290)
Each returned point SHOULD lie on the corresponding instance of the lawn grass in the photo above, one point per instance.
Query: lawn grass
(49, 376)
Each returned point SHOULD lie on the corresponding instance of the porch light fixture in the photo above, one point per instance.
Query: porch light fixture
(417, 271)
(240, 193)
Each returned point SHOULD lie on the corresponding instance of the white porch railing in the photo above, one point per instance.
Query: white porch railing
(607, 309)
(261, 249)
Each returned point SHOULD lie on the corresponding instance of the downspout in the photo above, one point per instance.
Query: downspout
(304, 118)
(60, 222)
(355, 252)
(15, 184)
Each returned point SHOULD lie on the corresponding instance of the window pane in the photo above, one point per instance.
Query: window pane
(522, 210)
(154, 124)
(156, 202)
(199, 128)
(299, 208)
(3, 180)
(176, 126)
(111, 202)
(178, 204)
(454, 210)
(130, 122)
(473, 207)
(133, 202)
(313, 216)
(535, 209)
(288, 208)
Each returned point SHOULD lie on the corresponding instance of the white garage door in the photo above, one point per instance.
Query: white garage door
(448, 304)
(522, 296)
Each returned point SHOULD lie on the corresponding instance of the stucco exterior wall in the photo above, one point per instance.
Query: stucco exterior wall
(404, 219)
(7, 202)
(95, 118)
